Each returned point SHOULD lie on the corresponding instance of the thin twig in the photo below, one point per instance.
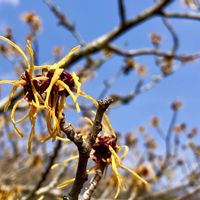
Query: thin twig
(144, 52)
(54, 181)
(46, 171)
(190, 16)
(93, 184)
(122, 12)
(173, 34)
(169, 134)
(64, 22)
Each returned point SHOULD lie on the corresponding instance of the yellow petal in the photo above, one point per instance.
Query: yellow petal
(65, 183)
(22, 118)
(41, 67)
(117, 174)
(54, 79)
(66, 87)
(89, 98)
(105, 117)
(45, 139)
(77, 83)
(12, 115)
(125, 151)
(10, 98)
(8, 82)
(61, 107)
(65, 59)
(87, 119)
(64, 162)
(41, 197)
(115, 155)
(31, 53)
(134, 174)
(62, 139)
(16, 47)
(32, 116)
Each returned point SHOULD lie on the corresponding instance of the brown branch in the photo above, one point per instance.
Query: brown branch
(169, 135)
(189, 16)
(190, 195)
(144, 52)
(5, 100)
(64, 22)
(53, 183)
(173, 34)
(122, 12)
(103, 41)
(84, 148)
(46, 171)
(141, 88)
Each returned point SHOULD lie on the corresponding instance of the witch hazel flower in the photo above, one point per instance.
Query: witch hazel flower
(46, 91)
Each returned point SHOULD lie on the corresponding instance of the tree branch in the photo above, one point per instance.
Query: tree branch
(103, 41)
(46, 171)
(189, 16)
(122, 12)
(84, 147)
(144, 52)
(64, 22)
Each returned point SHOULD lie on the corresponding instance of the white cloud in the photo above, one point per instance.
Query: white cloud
(11, 2)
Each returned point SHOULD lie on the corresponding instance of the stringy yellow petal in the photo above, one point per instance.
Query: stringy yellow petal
(77, 83)
(41, 198)
(66, 87)
(31, 53)
(107, 121)
(45, 139)
(62, 139)
(65, 183)
(125, 152)
(10, 98)
(92, 169)
(87, 119)
(32, 116)
(54, 79)
(61, 107)
(64, 162)
(89, 98)
(12, 115)
(22, 118)
(55, 122)
(41, 67)
(8, 82)
(134, 174)
(16, 47)
(105, 117)
(115, 155)
(65, 59)
(117, 174)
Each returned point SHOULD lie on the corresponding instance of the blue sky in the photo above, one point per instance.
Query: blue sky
(94, 18)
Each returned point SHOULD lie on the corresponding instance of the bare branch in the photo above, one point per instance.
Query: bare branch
(64, 22)
(46, 171)
(122, 11)
(84, 148)
(103, 41)
(53, 183)
(173, 34)
(143, 52)
(190, 16)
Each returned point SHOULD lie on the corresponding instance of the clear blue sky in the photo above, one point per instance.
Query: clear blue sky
(94, 18)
